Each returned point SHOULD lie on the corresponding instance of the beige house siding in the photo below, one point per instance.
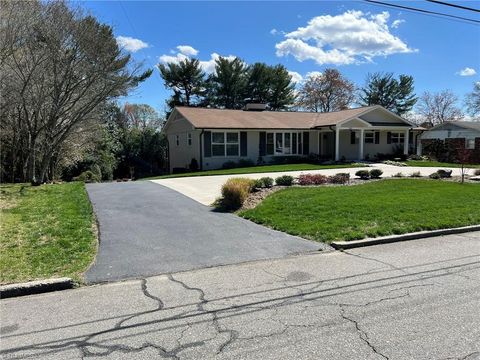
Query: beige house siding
(182, 154)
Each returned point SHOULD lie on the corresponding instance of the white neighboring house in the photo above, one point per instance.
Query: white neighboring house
(461, 135)
(215, 136)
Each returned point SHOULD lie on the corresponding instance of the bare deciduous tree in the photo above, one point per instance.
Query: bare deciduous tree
(327, 92)
(58, 67)
(437, 108)
(472, 100)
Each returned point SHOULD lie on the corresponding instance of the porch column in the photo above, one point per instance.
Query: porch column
(405, 144)
(362, 141)
(337, 143)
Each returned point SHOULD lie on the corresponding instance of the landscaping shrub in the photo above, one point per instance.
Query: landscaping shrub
(312, 179)
(363, 174)
(394, 163)
(245, 163)
(88, 177)
(376, 173)
(340, 178)
(435, 175)
(284, 180)
(398, 175)
(264, 182)
(229, 165)
(193, 165)
(235, 191)
(476, 172)
(444, 173)
(416, 174)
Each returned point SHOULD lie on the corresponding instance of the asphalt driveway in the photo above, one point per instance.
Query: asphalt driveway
(148, 229)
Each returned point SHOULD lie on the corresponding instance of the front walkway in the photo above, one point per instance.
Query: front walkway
(205, 189)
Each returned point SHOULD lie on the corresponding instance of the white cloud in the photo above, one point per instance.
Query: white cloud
(348, 38)
(397, 23)
(312, 74)
(131, 44)
(274, 31)
(466, 72)
(187, 50)
(207, 65)
(296, 77)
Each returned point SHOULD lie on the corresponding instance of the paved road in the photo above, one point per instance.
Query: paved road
(148, 229)
(205, 189)
(412, 300)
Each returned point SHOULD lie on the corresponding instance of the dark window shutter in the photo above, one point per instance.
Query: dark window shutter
(389, 137)
(262, 146)
(207, 143)
(410, 138)
(243, 143)
(352, 137)
(306, 143)
(377, 137)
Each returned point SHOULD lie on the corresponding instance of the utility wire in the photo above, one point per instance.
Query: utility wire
(454, 5)
(427, 12)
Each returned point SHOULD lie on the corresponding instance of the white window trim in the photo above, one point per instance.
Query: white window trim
(467, 143)
(189, 139)
(399, 136)
(225, 143)
(372, 133)
(299, 148)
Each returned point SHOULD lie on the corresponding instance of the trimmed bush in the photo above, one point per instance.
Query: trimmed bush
(476, 172)
(284, 180)
(363, 174)
(444, 173)
(340, 178)
(398, 175)
(87, 177)
(229, 165)
(235, 191)
(245, 163)
(264, 182)
(193, 165)
(435, 175)
(376, 173)
(312, 179)
(416, 174)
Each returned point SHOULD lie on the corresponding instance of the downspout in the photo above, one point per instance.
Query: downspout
(416, 140)
(201, 149)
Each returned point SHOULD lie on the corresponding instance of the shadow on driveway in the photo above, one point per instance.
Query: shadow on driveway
(148, 229)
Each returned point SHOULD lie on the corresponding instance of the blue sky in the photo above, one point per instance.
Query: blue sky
(353, 36)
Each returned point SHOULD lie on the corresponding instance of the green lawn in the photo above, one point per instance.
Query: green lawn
(369, 210)
(422, 163)
(256, 169)
(46, 231)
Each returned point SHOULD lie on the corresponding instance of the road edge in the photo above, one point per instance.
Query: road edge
(35, 287)
(344, 245)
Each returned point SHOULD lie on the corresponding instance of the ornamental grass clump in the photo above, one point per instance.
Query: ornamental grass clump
(235, 191)
(312, 179)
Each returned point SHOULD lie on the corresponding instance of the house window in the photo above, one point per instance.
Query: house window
(189, 139)
(369, 137)
(284, 143)
(177, 139)
(398, 138)
(470, 144)
(270, 144)
(225, 143)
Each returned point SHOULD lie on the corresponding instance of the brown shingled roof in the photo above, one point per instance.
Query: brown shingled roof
(238, 119)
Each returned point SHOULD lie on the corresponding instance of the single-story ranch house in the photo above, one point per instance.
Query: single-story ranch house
(449, 140)
(215, 136)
